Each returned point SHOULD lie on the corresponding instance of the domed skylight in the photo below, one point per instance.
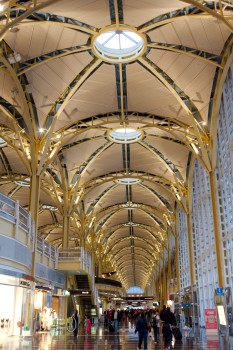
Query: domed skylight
(128, 181)
(2, 142)
(23, 183)
(119, 45)
(125, 135)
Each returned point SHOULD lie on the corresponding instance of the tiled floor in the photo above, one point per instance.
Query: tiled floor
(100, 338)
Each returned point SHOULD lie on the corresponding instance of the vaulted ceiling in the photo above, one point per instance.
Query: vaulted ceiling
(60, 100)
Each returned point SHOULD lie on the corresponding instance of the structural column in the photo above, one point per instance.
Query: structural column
(177, 262)
(190, 247)
(169, 264)
(66, 230)
(164, 280)
(34, 209)
(100, 265)
(218, 245)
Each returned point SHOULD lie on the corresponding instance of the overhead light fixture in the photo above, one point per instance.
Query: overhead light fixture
(1, 7)
(14, 30)
(15, 57)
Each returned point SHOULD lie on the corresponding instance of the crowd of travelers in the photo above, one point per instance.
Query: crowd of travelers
(154, 322)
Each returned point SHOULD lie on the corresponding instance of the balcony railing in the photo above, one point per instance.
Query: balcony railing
(11, 211)
(47, 250)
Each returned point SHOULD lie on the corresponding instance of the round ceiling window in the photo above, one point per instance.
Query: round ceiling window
(119, 45)
(125, 135)
(129, 181)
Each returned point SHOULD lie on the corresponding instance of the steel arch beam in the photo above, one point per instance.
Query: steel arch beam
(188, 12)
(116, 209)
(202, 55)
(17, 16)
(48, 57)
(62, 102)
(183, 99)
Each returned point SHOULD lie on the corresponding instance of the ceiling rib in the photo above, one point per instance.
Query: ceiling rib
(16, 17)
(11, 22)
(185, 101)
(26, 66)
(200, 54)
(180, 14)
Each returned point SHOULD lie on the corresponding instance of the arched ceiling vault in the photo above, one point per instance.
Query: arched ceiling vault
(61, 99)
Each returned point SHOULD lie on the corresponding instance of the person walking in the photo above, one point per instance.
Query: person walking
(87, 325)
(142, 328)
(167, 334)
(75, 322)
(116, 320)
(155, 326)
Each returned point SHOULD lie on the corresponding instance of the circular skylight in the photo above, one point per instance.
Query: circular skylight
(125, 135)
(49, 207)
(119, 45)
(2, 142)
(128, 181)
(23, 183)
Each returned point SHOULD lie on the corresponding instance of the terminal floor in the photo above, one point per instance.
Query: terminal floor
(100, 338)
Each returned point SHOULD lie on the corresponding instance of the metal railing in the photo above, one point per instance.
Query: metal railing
(46, 249)
(11, 211)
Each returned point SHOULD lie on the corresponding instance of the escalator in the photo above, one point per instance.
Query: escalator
(82, 297)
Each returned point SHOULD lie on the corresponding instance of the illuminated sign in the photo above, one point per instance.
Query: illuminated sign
(221, 315)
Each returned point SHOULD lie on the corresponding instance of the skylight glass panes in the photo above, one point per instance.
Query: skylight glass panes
(125, 135)
(118, 45)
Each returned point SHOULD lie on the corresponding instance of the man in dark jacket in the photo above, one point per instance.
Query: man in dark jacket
(163, 313)
(171, 317)
(142, 329)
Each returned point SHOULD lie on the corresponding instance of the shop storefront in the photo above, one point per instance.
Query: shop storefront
(15, 303)
(48, 307)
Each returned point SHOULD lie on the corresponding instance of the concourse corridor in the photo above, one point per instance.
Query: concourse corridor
(100, 338)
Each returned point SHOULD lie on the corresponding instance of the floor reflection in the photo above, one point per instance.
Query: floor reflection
(100, 338)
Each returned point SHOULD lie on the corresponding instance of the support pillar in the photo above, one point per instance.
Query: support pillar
(169, 265)
(66, 230)
(177, 263)
(164, 280)
(190, 247)
(34, 209)
(217, 239)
